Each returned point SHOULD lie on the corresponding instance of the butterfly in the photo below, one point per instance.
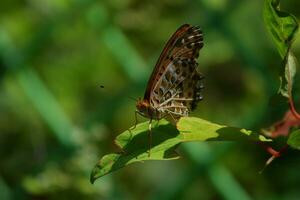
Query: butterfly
(175, 86)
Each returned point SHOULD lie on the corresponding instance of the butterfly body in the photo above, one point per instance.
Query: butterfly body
(175, 85)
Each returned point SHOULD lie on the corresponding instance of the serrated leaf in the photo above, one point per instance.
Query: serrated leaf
(294, 139)
(281, 25)
(165, 138)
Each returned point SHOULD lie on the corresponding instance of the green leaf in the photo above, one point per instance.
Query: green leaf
(165, 138)
(294, 140)
(287, 77)
(281, 25)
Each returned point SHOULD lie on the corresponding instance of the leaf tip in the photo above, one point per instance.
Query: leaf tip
(94, 175)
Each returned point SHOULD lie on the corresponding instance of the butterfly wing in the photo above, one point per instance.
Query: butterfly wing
(161, 66)
(175, 85)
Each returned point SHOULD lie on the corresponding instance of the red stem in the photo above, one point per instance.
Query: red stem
(293, 109)
(273, 152)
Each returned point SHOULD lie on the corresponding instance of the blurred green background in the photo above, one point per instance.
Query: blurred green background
(56, 122)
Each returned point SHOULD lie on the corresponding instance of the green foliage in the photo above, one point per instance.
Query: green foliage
(294, 139)
(282, 27)
(165, 137)
(287, 77)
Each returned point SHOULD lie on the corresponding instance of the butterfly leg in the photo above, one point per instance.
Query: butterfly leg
(150, 137)
(157, 122)
(136, 119)
(135, 123)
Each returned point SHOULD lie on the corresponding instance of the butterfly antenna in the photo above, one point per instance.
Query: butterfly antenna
(132, 98)
(102, 87)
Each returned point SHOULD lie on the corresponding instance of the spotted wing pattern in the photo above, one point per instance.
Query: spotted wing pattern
(175, 85)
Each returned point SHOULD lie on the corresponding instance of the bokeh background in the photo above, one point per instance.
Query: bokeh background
(56, 121)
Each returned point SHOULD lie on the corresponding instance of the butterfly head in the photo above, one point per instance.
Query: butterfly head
(143, 107)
